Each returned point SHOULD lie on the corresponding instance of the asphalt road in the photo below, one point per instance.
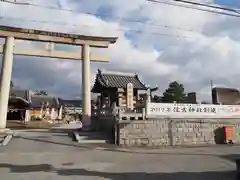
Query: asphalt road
(47, 156)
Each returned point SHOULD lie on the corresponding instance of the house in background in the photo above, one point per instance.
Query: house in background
(71, 106)
(44, 106)
(191, 98)
(225, 96)
(25, 104)
(19, 102)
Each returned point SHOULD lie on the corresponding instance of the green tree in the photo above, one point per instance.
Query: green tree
(175, 92)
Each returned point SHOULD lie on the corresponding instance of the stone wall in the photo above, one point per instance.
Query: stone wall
(171, 132)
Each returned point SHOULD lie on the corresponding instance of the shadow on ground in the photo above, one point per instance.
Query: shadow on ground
(114, 148)
(42, 140)
(231, 157)
(66, 138)
(150, 176)
(213, 175)
(19, 125)
(57, 139)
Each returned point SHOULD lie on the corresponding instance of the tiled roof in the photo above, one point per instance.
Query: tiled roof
(117, 80)
(38, 100)
(19, 93)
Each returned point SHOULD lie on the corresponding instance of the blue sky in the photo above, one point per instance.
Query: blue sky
(231, 3)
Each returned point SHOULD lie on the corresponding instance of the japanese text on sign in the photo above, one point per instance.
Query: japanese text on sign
(167, 109)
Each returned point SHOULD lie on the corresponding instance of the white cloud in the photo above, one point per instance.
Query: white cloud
(210, 50)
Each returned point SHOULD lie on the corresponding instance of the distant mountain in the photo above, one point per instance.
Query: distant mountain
(75, 102)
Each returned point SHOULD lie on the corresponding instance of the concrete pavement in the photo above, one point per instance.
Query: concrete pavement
(50, 156)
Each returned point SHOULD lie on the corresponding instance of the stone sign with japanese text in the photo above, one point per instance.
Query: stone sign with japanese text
(130, 96)
(193, 110)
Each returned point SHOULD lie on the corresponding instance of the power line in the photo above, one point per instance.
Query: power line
(14, 2)
(104, 15)
(119, 29)
(119, 18)
(195, 8)
(237, 13)
(208, 5)
(89, 26)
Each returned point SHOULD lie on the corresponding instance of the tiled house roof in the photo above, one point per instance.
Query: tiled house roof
(116, 80)
(22, 94)
(38, 100)
(35, 101)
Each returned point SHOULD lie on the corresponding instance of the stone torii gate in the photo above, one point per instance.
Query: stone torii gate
(84, 54)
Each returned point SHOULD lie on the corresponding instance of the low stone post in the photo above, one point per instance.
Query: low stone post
(170, 132)
(147, 103)
(143, 113)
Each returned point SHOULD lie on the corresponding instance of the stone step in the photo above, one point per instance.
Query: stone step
(92, 141)
(89, 138)
(66, 128)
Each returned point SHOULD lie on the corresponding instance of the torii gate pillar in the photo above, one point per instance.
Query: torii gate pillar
(86, 86)
(6, 74)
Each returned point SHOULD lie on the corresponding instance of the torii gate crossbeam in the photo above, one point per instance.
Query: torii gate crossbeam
(9, 49)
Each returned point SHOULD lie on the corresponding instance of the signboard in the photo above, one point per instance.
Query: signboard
(130, 96)
(193, 110)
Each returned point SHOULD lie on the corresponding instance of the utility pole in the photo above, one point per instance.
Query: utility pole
(211, 84)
